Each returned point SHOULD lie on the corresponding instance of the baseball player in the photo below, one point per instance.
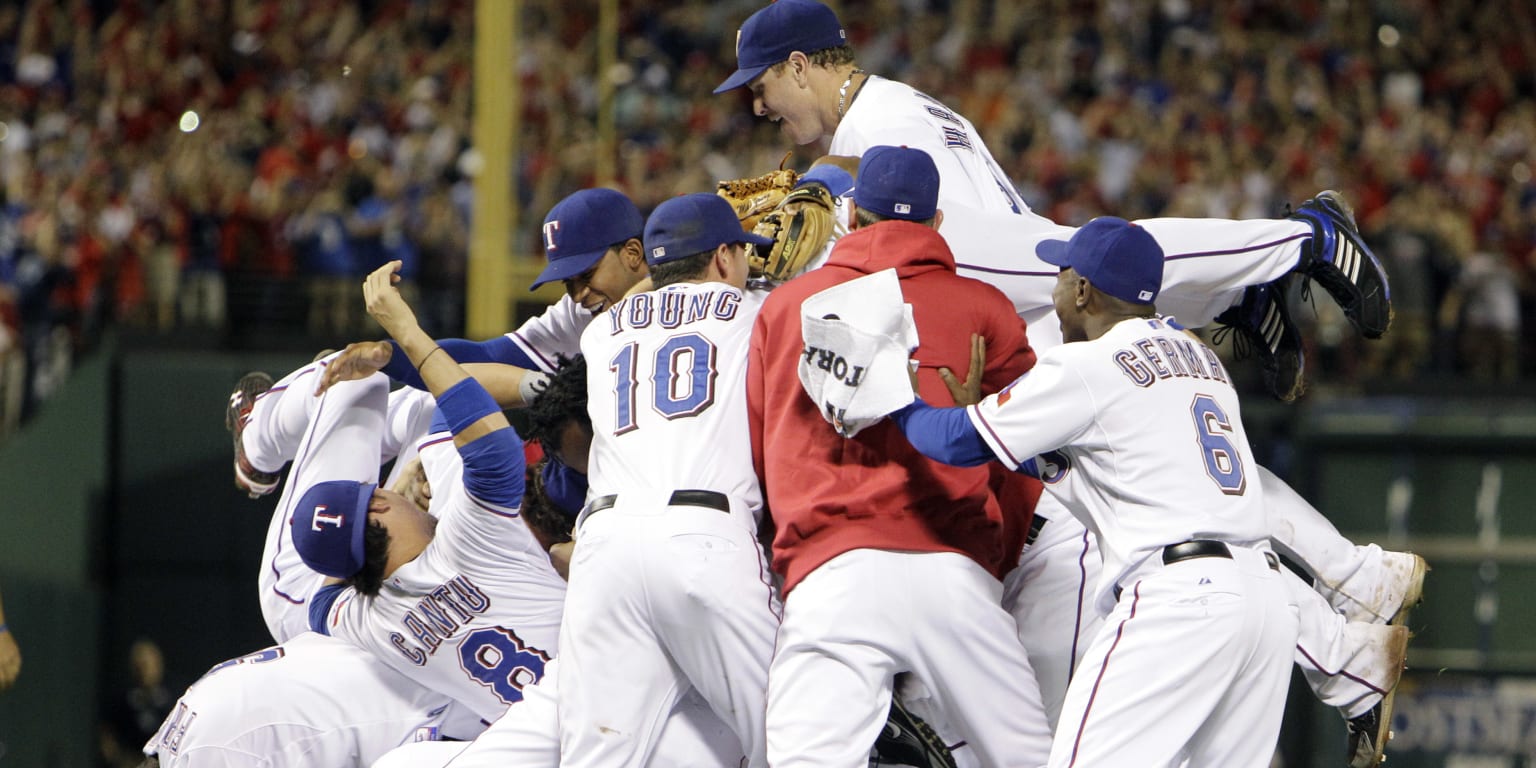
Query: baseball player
(345, 433)
(669, 590)
(472, 605)
(888, 559)
(1193, 662)
(311, 701)
(794, 57)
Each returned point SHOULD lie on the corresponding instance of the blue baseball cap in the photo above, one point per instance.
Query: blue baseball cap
(1118, 257)
(328, 525)
(692, 224)
(771, 34)
(582, 227)
(897, 183)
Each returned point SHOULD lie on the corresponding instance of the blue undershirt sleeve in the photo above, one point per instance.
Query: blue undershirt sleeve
(493, 463)
(501, 349)
(943, 434)
(320, 606)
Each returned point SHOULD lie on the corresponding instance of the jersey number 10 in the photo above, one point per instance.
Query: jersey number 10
(682, 380)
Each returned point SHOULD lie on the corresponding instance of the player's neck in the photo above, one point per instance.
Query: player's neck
(1097, 325)
(840, 87)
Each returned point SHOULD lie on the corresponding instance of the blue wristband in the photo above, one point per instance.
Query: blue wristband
(464, 404)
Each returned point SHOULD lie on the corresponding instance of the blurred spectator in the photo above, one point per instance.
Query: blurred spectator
(135, 714)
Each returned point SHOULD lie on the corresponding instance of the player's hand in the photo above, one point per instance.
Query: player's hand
(384, 302)
(412, 484)
(358, 361)
(969, 392)
(10, 659)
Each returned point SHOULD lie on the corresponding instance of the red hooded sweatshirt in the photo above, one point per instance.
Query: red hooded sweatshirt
(828, 494)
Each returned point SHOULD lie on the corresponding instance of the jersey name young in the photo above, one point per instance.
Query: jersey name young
(668, 309)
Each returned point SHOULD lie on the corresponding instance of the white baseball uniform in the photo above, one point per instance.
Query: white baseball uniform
(343, 434)
(669, 588)
(528, 736)
(1208, 263)
(1139, 433)
(476, 615)
(312, 701)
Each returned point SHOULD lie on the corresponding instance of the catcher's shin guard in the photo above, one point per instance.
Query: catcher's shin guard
(1264, 326)
(1340, 261)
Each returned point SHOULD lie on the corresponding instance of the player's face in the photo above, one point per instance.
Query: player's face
(1064, 297)
(605, 283)
(575, 444)
(407, 523)
(776, 96)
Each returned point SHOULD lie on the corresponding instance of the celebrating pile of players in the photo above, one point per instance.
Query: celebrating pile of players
(962, 490)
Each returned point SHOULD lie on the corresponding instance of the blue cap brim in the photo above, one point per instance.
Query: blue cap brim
(364, 497)
(754, 239)
(1053, 252)
(741, 77)
(568, 267)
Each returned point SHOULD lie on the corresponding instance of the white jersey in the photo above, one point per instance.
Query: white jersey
(1138, 433)
(993, 233)
(887, 112)
(475, 615)
(677, 373)
(312, 701)
(554, 333)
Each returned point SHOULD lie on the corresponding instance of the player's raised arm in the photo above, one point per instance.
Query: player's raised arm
(439, 370)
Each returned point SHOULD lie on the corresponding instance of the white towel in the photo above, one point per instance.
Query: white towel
(858, 338)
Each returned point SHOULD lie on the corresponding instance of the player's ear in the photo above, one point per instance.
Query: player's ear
(938, 218)
(799, 68)
(632, 254)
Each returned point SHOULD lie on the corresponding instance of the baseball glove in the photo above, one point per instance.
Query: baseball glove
(907, 739)
(752, 198)
(800, 228)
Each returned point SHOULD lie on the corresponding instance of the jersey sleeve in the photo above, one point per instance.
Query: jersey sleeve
(1046, 409)
(553, 334)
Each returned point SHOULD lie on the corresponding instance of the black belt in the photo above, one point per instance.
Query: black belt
(684, 498)
(1035, 524)
(1197, 548)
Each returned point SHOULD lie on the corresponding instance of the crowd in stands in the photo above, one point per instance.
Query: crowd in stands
(237, 165)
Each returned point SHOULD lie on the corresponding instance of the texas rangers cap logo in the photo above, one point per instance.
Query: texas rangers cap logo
(321, 516)
(550, 228)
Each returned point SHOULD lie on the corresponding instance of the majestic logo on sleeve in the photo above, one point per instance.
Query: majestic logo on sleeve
(324, 517)
(550, 228)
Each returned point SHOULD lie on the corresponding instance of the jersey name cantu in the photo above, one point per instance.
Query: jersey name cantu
(475, 615)
(887, 112)
(677, 372)
(313, 700)
(1138, 433)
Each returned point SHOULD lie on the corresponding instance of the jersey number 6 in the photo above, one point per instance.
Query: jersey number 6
(1214, 430)
(682, 380)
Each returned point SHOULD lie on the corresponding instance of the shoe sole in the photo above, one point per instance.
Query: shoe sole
(1339, 279)
(1412, 597)
(250, 386)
